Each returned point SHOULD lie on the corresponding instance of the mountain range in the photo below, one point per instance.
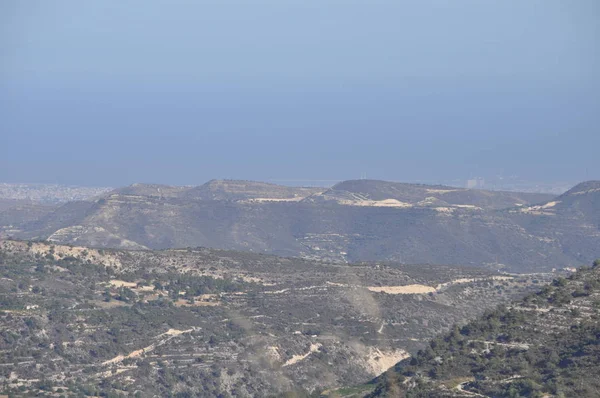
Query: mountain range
(353, 221)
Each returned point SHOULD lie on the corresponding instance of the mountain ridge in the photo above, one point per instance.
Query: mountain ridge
(338, 225)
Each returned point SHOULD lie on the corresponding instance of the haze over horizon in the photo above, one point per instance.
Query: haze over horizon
(112, 93)
(300, 198)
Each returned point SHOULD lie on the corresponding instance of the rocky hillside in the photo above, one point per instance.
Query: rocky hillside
(546, 345)
(393, 194)
(583, 199)
(355, 221)
(77, 320)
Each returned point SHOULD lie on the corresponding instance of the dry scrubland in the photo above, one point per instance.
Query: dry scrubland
(545, 345)
(206, 322)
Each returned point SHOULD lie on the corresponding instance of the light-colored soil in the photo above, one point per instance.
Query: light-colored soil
(297, 358)
(545, 209)
(273, 353)
(261, 200)
(138, 353)
(588, 191)
(75, 232)
(407, 289)
(376, 203)
(253, 279)
(444, 209)
(381, 360)
(60, 251)
(196, 303)
(468, 207)
(120, 283)
(175, 332)
(423, 289)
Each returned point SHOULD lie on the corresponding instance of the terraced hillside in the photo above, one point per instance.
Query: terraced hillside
(354, 221)
(546, 345)
(77, 320)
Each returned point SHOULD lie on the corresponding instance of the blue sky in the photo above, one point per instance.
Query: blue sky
(113, 92)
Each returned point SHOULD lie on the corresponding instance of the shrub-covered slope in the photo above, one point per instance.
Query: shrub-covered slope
(547, 345)
(202, 322)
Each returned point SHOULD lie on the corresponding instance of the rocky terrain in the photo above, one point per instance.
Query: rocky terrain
(354, 221)
(545, 345)
(80, 321)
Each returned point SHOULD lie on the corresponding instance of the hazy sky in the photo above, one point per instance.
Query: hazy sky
(116, 92)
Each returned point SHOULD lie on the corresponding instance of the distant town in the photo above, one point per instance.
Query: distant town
(49, 193)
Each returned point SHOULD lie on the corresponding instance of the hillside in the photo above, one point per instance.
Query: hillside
(222, 190)
(583, 199)
(207, 322)
(16, 213)
(349, 223)
(153, 190)
(248, 190)
(364, 192)
(545, 345)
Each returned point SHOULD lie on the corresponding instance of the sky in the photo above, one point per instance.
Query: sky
(108, 93)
